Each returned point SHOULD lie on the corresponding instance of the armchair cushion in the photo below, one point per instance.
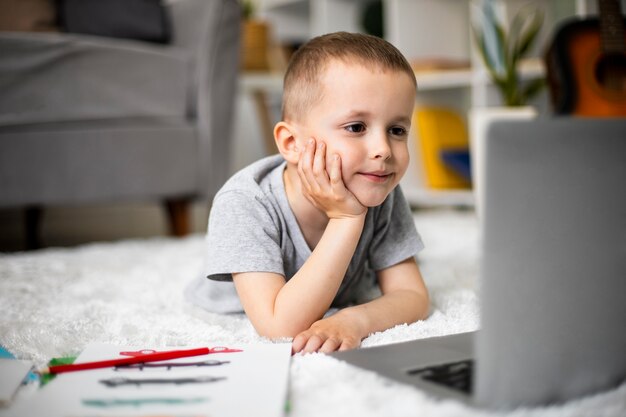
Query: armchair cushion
(49, 77)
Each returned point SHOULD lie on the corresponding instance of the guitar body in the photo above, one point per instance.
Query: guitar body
(584, 80)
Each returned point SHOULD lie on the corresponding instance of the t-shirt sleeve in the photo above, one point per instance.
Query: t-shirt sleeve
(242, 237)
(395, 236)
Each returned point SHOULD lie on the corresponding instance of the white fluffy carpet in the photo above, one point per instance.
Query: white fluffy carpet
(56, 301)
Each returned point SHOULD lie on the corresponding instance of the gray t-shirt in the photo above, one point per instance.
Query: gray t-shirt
(252, 229)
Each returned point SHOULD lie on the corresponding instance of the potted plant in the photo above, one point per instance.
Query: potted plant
(502, 50)
(255, 39)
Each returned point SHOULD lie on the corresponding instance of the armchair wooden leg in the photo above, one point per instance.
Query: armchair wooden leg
(32, 226)
(179, 213)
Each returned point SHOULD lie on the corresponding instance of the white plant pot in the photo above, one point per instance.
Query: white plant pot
(480, 119)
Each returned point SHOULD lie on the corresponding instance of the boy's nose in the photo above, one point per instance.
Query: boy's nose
(379, 148)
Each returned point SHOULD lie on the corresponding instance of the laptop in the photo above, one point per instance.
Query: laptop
(552, 280)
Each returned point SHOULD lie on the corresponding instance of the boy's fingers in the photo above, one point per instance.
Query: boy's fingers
(349, 343)
(319, 161)
(335, 172)
(298, 343)
(330, 345)
(306, 155)
(336, 181)
(318, 176)
(304, 164)
(308, 161)
(313, 344)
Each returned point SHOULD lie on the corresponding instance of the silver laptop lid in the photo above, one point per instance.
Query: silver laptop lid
(554, 261)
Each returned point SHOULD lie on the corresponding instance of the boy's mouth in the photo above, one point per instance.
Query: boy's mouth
(378, 177)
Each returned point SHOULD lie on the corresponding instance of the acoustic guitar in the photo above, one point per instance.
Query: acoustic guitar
(586, 64)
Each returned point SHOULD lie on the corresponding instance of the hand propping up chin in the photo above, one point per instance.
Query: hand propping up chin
(323, 185)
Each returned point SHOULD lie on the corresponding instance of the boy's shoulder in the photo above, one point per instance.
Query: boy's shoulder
(253, 181)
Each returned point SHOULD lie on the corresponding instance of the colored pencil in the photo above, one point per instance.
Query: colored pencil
(150, 357)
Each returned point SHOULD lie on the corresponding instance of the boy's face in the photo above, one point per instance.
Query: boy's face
(364, 116)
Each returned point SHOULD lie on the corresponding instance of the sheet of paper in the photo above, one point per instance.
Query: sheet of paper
(12, 374)
(248, 383)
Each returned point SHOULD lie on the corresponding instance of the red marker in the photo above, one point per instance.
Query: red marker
(150, 357)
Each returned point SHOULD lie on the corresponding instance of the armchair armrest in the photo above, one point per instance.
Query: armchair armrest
(210, 31)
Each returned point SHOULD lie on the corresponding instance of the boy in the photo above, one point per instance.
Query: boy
(317, 225)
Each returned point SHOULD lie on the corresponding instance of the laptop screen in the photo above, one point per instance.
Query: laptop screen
(553, 272)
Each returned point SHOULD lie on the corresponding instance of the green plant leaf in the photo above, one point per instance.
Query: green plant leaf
(502, 51)
(247, 9)
(493, 41)
(516, 27)
(501, 44)
(514, 34)
(532, 89)
(527, 38)
(482, 49)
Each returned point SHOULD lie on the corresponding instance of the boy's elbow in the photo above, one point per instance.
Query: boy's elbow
(423, 305)
(273, 329)
(271, 333)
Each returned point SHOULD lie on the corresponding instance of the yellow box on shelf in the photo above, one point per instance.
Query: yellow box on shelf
(442, 141)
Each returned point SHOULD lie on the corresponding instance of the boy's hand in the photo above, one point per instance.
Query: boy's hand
(324, 187)
(337, 332)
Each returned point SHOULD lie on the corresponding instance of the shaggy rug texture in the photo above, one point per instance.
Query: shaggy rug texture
(55, 301)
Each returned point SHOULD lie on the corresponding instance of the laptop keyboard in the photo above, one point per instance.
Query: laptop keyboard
(455, 375)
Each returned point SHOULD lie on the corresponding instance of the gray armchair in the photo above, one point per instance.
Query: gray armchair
(87, 119)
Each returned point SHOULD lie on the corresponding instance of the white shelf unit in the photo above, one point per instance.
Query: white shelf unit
(423, 29)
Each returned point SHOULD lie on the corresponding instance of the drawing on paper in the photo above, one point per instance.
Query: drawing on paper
(168, 365)
(139, 402)
(118, 382)
(223, 382)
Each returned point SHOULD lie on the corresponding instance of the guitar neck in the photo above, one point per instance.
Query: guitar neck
(611, 27)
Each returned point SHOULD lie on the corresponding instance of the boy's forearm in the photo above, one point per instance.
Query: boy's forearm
(309, 293)
(389, 310)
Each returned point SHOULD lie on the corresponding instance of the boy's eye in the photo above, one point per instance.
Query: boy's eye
(398, 131)
(355, 128)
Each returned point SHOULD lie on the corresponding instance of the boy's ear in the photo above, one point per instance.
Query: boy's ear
(286, 142)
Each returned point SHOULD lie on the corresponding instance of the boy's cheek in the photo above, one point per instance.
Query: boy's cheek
(345, 153)
(301, 136)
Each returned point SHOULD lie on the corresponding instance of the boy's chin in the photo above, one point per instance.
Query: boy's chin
(370, 200)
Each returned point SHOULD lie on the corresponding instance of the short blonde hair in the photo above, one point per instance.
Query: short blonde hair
(301, 88)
